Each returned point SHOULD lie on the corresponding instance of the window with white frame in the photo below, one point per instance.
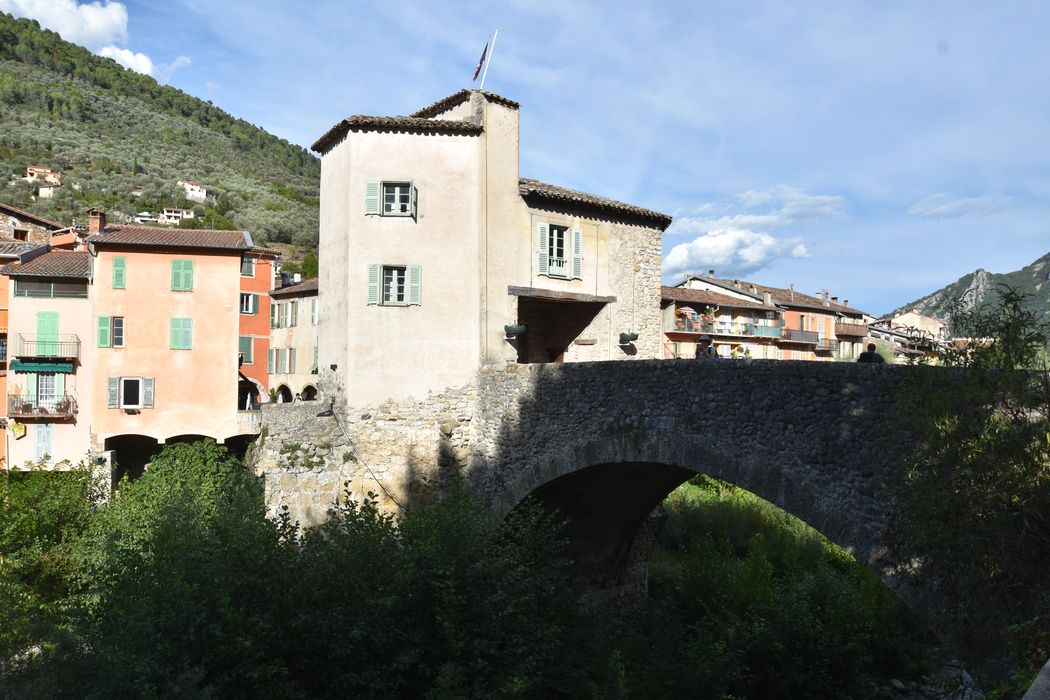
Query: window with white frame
(559, 251)
(130, 392)
(117, 329)
(556, 250)
(293, 313)
(394, 285)
(249, 303)
(397, 199)
(313, 311)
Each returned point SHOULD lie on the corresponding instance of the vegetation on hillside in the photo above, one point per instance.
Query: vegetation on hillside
(113, 132)
(976, 499)
(179, 586)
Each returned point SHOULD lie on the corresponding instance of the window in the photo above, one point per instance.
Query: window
(46, 289)
(395, 285)
(270, 361)
(293, 313)
(3, 347)
(21, 234)
(249, 303)
(111, 331)
(313, 311)
(182, 275)
(44, 439)
(559, 251)
(291, 360)
(391, 199)
(313, 367)
(282, 361)
(130, 392)
(246, 345)
(247, 267)
(119, 272)
(181, 336)
(275, 321)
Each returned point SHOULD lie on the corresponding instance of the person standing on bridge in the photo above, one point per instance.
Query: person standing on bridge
(704, 349)
(870, 356)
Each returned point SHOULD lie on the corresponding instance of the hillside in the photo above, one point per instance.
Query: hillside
(113, 132)
(974, 289)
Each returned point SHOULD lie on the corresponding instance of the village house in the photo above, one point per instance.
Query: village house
(739, 324)
(294, 319)
(174, 216)
(38, 173)
(810, 327)
(438, 259)
(47, 191)
(253, 343)
(20, 225)
(195, 192)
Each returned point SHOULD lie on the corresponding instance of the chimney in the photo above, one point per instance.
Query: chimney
(767, 298)
(845, 302)
(754, 289)
(711, 274)
(297, 278)
(835, 300)
(96, 221)
(736, 283)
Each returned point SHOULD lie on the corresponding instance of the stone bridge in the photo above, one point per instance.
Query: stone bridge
(605, 442)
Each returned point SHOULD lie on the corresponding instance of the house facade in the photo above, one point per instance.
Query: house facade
(438, 259)
(20, 225)
(38, 173)
(294, 322)
(791, 325)
(195, 191)
(172, 216)
(253, 341)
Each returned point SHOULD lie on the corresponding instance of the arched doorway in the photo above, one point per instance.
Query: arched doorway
(131, 454)
(284, 394)
(309, 393)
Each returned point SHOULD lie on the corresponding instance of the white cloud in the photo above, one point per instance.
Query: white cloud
(93, 25)
(164, 71)
(940, 207)
(787, 206)
(732, 252)
(138, 62)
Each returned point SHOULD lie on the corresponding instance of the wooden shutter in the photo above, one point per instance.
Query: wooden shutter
(187, 333)
(246, 342)
(187, 274)
(542, 254)
(60, 386)
(174, 334)
(269, 360)
(119, 272)
(415, 285)
(31, 388)
(176, 275)
(255, 303)
(147, 392)
(273, 313)
(104, 331)
(47, 333)
(113, 385)
(291, 360)
(414, 203)
(371, 198)
(373, 285)
(577, 253)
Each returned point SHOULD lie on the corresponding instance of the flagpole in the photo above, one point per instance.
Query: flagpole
(495, 35)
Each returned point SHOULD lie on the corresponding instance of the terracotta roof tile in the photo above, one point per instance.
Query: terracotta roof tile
(127, 235)
(264, 251)
(459, 98)
(415, 125)
(535, 188)
(9, 246)
(54, 263)
(784, 297)
(22, 214)
(298, 289)
(703, 296)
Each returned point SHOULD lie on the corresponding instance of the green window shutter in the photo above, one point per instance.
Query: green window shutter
(269, 361)
(414, 203)
(373, 285)
(174, 333)
(187, 334)
(176, 275)
(245, 349)
(255, 303)
(542, 254)
(181, 334)
(291, 360)
(31, 388)
(182, 275)
(47, 333)
(415, 285)
(577, 253)
(371, 198)
(119, 272)
(187, 274)
(113, 386)
(103, 331)
(147, 392)
(273, 313)
(60, 385)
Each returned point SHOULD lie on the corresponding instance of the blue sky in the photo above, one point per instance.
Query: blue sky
(878, 150)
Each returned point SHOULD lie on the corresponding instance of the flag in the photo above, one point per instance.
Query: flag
(481, 61)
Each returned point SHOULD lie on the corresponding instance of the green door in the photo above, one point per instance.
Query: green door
(46, 334)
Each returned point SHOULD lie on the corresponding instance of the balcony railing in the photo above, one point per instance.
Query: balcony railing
(827, 345)
(65, 346)
(24, 406)
(754, 330)
(557, 267)
(794, 335)
(851, 329)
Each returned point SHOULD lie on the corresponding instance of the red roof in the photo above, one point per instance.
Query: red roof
(459, 98)
(128, 235)
(702, 296)
(535, 188)
(22, 214)
(304, 288)
(55, 263)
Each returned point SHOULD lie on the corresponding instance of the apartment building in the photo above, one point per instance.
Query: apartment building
(294, 320)
(253, 342)
(438, 259)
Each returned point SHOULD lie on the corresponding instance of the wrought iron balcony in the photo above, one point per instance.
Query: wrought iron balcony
(794, 335)
(722, 328)
(827, 345)
(24, 406)
(63, 346)
(858, 330)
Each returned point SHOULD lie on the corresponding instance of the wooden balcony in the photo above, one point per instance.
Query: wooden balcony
(853, 330)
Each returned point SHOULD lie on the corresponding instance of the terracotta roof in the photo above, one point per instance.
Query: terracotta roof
(414, 125)
(22, 214)
(535, 188)
(785, 297)
(304, 288)
(125, 235)
(264, 251)
(54, 263)
(9, 246)
(702, 296)
(459, 98)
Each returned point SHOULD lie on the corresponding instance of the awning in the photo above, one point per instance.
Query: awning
(58, 367)
(553, 295)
